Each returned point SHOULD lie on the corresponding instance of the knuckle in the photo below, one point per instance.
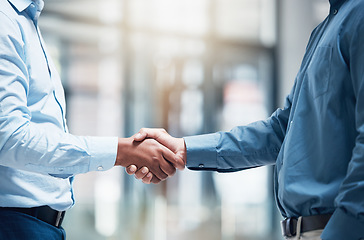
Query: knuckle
(160, 151)
(156, 159)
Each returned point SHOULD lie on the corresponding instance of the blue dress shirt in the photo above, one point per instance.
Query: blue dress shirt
(38, 157)
(317, 140)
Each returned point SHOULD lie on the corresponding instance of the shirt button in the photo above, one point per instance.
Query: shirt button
(201, 166)
(334, 12)
(100, 168)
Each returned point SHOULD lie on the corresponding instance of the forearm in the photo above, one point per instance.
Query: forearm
(243, 147)
(36, 148)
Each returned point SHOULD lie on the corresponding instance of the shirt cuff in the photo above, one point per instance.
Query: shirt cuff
(343, 226)
(103, 152)
(201, 151)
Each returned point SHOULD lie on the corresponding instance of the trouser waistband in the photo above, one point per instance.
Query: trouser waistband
(43, 213)
(309, 223)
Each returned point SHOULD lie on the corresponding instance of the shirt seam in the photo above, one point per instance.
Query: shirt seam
(11, 20)
(272, 150)
(16, 26)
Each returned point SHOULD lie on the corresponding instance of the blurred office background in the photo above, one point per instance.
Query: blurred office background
(191, 67)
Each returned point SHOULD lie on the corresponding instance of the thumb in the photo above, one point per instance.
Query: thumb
(144, 133)
(179, 162)
(140, 136)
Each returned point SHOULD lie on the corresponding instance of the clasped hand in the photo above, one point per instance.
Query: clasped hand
(152, 155)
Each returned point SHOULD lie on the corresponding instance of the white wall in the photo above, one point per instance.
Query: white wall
(296, 20)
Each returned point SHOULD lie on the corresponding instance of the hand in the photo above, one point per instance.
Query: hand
(177, 145)
(143, 174)
(148, 153)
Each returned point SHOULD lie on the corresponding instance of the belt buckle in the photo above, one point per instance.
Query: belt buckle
(289, 226)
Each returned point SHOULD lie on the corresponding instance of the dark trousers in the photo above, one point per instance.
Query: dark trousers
(20, 226)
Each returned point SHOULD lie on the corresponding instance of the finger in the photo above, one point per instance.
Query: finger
(174, 159)
(167, 165)
(140, 136)
(131, 169)
(148, 178)
(168, 168)
(155, 168)
(141, 173)
(155, 180)
(148, 133)
(179, 162)
(159, 173)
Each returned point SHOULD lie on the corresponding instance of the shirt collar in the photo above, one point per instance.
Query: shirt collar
(39, 4)
(32, 7)
(20, 5)
(336, 4)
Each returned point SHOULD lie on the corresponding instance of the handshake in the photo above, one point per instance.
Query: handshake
(151, 154)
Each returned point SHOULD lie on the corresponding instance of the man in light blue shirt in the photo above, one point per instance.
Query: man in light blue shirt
(38, 157)
(316, 141)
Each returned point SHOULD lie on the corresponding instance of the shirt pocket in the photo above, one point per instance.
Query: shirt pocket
(318, 72)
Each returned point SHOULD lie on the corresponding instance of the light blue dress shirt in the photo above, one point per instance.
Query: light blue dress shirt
(38, 157)
(317, 140)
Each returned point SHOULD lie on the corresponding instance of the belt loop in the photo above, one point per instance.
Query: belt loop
(298, 228)
(35, 212)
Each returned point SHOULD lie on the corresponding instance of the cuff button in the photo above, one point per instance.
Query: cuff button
(100, 168)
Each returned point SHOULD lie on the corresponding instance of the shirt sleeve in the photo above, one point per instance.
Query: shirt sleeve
(38, 147)
(347, 221)
(243, 147)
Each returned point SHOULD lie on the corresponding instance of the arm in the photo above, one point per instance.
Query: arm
(347, 221)
(44, 147)
(243, 147)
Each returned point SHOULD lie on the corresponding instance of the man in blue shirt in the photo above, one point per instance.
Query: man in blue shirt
(38, 157)
(316, 141)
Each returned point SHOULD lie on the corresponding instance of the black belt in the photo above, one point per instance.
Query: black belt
(309, 223)
(44, 213)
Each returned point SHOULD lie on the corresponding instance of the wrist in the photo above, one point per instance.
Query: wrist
(123, 146)
(184, 151)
